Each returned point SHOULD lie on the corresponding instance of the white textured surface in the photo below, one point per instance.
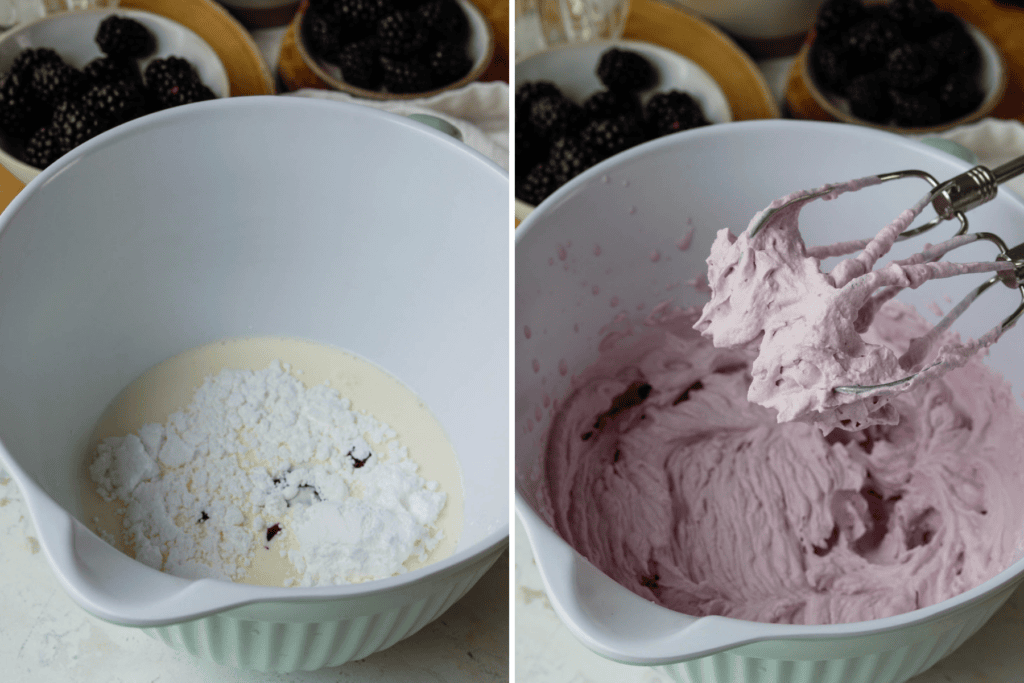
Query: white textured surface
(546, 652)
(45, 637)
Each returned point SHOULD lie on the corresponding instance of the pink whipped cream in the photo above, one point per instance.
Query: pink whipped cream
(811, 324)
(661, 472)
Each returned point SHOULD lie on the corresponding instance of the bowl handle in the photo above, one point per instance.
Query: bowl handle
(615, 622)
(110, 585)
(438, 123)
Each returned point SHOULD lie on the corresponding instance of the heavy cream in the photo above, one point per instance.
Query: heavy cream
(362, 470)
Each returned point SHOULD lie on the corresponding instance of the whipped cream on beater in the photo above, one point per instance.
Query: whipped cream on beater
(811, 324)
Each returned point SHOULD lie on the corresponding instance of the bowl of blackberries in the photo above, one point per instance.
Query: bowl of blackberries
(577, 106)
(68, 77)
(394, 49)
(903, 65)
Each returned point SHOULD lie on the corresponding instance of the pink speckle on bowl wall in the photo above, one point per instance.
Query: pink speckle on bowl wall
(613, 302)
(595, 290)
(597, 250)
(686, 240)
(527, 332)
(655, 256)
(563, 368)
(536, 365)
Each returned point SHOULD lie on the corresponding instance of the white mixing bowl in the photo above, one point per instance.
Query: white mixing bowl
(249, 217)
(643, 201)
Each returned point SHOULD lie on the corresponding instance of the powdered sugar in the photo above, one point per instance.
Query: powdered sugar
(255, 449)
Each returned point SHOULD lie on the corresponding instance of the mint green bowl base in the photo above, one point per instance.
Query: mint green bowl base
(882, 658)
(295, 636)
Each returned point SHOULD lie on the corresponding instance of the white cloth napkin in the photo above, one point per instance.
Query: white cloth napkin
(994, 142)
(479, 111)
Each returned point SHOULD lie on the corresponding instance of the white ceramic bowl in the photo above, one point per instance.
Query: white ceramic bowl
(646, 199)
(993, 86)
(72, 36)
(480, 49)
(245, 217)
(573, 69)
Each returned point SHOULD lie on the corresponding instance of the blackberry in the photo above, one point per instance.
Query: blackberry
(908, 11)
(609, 104)
(537, 184)
(830, 67)
(568, 158)
(670, 112)
(123, 37)
(530, 91)
(360, 64)
(28, 60)
(954, 47)
(530, 149)
(553, 116)
(404, 76)
(911, 67)
(869, 98)
(43, 148)
(915, 110)
(834, 17)
(444, 18)
(115, 103)
(172, 82)
(611, 136)
(104, 70)
(868, 43)
(73, 124)
(625, 70)
(21, 113)
(56, 81)
(401, 34)
(448, 62)
(358, 18)
(915, 18)
(323, 35)
(959, 95)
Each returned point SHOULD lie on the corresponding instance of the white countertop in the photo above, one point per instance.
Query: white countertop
(46, 638)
